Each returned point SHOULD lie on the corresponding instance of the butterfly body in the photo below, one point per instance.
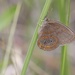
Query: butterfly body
(52, 34)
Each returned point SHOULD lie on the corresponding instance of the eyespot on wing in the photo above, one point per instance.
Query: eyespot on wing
(48, 43)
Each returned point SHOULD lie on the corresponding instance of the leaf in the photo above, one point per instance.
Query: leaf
(6, 17)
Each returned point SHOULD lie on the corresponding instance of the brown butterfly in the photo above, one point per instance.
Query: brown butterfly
(52, 34)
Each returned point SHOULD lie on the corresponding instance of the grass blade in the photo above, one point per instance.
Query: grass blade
(64, 18)
(34, 38)
(9, 45)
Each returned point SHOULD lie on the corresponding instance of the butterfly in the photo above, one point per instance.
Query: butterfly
(53, 34)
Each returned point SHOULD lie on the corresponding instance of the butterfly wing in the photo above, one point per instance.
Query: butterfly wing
(46, 40)
(55, 31)
(64, 34)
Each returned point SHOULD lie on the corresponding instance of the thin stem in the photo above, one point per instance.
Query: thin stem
(34, 38)
(68, 13)
(10, 40)
(64, 17)
(64, 54)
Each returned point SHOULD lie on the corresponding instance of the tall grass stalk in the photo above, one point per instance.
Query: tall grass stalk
(34, 38)
(10, 40)
(64, 18)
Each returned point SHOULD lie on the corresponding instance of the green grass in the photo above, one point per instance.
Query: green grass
(5, 20)
(64, 18)
(10, 40)
(34, 38)
(6, 17)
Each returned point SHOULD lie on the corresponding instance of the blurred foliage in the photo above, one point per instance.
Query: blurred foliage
(49, 62)
(6, 17)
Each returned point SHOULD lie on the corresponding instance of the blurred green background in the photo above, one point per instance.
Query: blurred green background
(42, 62)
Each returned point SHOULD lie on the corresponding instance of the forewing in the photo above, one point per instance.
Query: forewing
(64, 34)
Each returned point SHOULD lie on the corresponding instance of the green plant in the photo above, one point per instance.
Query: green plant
(64, 18)
(34, 38)
(6, 17)
(12, 31)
